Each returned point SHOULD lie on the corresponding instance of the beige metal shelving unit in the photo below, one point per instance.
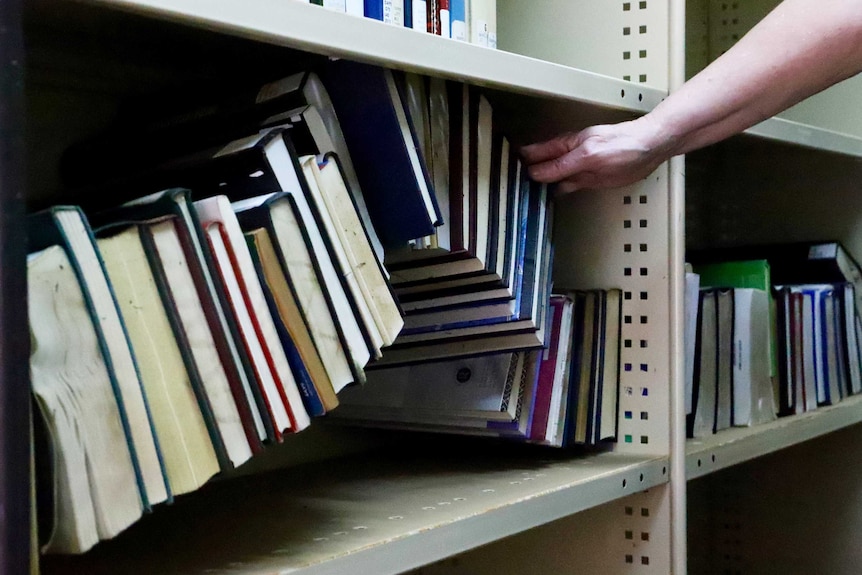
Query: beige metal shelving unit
(399, 506)
(445, 506)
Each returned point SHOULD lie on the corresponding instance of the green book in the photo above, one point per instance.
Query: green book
(735, 274)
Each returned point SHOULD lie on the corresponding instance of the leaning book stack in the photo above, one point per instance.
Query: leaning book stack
(265, 262)
(565, 394)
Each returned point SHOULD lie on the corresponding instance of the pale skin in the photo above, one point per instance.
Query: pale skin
(799, 49)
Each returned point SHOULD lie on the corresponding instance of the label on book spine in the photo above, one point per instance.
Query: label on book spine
(420, 17)
(393, 12)
(480, 35)
(337, 5)
(459, 30)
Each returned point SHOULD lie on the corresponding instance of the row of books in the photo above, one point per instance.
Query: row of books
(562, 395)
(184, 336)
(473, 21)
(772, 336)
(189, 331)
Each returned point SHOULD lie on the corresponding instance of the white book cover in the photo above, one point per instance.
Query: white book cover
(288, 179)
(753, 397)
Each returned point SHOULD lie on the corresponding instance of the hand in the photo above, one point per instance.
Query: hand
(607, 156)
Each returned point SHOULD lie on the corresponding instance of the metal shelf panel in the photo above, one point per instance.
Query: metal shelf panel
(366, 515)
(740, 444)
(790, 132)
(309, 27)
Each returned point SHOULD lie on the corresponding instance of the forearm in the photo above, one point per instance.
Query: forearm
(799, 49)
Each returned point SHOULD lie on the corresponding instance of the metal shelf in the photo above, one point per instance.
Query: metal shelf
(308, 27)
(366, 515)
(741, 444)
(808, 136)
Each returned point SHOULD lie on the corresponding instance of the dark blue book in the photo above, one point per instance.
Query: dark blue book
(408, 13)
(374, 9)
(521, 249)
(370, 105)
(533, 249)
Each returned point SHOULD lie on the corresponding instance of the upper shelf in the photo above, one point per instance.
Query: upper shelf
(365, 514)
(809, 136)
(311, 28)
(740, 444)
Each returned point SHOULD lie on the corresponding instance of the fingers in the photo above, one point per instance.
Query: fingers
(558, 168)
(547, 150)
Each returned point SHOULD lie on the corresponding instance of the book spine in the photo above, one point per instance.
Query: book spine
(444, 18)
(393, 12)
(374, 9)
(458, 18)
(222, 327)
(259, 394)
(547, 374)
(420, 15)
(310, 397)
(258, 331)
(432, 25)
(355, 7)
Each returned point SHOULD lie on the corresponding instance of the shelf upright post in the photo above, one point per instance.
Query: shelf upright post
(678, 485)
(14, 340)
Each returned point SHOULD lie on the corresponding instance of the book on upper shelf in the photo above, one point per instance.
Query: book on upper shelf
(458, 18)
(415, 15)
(67, 226)
(387, 11)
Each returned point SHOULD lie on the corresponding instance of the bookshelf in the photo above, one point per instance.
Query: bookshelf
(401, 502)
(333, 502)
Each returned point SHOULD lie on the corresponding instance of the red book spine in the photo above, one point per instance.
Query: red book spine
(443, 19)
(244, 337)
(547, 373)
(259, 333)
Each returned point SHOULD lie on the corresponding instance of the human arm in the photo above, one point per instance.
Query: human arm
(799, 49)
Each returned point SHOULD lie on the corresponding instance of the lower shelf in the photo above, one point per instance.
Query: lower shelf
(732, 446)
(365, 514)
